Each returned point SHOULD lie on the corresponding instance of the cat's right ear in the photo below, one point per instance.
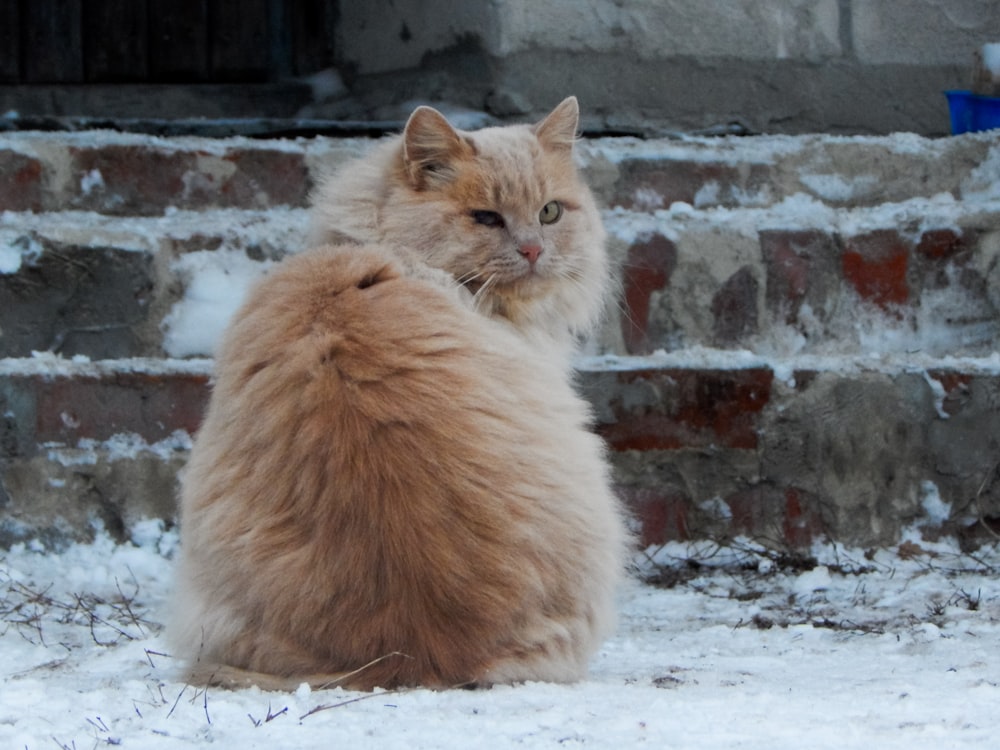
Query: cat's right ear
(432, 148)
(558, 129)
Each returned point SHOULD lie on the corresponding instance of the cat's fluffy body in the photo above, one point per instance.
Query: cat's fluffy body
(394, 480)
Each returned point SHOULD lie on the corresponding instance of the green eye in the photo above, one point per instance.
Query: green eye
(550, 213)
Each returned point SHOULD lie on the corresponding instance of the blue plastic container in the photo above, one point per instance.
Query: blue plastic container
(971, 112)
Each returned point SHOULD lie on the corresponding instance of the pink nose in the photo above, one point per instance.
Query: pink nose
(531, 251)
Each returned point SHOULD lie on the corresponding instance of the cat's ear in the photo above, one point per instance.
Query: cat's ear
(558, 130)
(432, 148)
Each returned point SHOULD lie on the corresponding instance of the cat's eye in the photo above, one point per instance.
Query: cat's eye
(488, 218)
(550, 213)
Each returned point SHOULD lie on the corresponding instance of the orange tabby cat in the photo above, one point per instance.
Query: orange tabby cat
(394, 483)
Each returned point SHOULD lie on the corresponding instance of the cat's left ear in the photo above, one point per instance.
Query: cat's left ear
(432, 148)
(558, 130)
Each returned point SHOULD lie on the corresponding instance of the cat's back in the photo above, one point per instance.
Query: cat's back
(421, 474)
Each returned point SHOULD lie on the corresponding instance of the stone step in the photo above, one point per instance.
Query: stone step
(804, 345)
(143, 175)
(704, 444)
(793, 278)
(800, 277)
(105, 287)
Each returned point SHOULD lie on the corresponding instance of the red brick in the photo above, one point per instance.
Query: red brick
(749, 510)
(695, 409)
(69, 409)
(768, 512)
(648, 267)
(266, 178)
(662, 514)
(136, 179)
(942, 258)
(793, 259)
(802, 521)
(942, 244)
(876, 265)
(734, 306)
(672, 181)
(21, 186)
(144, 180)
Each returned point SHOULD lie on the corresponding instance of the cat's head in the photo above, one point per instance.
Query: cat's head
(504, 211)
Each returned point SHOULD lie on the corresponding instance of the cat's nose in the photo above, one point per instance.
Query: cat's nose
(531, 251)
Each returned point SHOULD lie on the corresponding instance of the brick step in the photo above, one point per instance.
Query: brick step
(800, 277)
(704, 444)
(782, 280)
(136, 174)
(760, 171)
(126, 174)
(811, 252)
(80, 283)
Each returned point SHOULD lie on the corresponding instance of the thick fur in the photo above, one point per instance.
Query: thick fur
(417, 191)
(393, 486)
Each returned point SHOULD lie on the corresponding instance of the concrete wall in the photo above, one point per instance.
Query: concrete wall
(771, 65)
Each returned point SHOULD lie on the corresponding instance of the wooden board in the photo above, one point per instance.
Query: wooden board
(178, 40)
(312, 24)
(164, 41)
(51, 41)
(115, 41)
(10, 48)
(239, 40)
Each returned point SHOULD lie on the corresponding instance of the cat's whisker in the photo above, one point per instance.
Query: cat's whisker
(482, 293)
(468, 277)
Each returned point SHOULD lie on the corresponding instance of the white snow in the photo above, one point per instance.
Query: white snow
(705, 358)
(16, 249)
(837, 188)
(889, 650)
(91, 181)
(53, 365)
(937, 510)
(983, 182)
(88, 452)
(216, 282)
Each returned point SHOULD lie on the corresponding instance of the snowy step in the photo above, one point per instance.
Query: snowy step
(704, 443)
(81, 283)
(782, 245)
(796, 277)
(141, 175)
(135, 174)
(828, 307)
(802, 277)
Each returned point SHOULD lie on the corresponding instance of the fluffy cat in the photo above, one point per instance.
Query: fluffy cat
(394, 483)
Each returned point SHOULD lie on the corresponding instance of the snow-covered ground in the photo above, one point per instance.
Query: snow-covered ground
(733, 649)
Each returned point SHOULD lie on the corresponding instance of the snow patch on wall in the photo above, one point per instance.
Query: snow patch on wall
(216, 284)
(16, 249)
